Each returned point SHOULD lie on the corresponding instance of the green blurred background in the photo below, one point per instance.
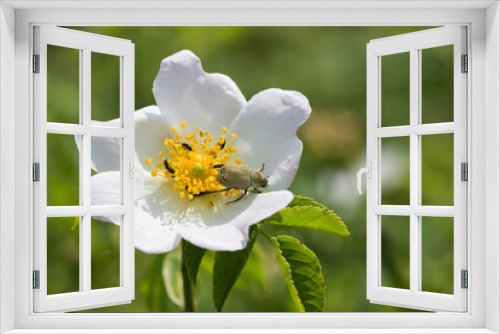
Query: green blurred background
(327, 65)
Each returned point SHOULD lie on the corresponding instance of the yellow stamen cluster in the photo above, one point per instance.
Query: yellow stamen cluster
(189, 160)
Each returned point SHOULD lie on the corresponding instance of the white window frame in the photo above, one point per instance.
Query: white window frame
(483, 21)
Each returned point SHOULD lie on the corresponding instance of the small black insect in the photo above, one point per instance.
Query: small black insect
(187, 146)
(170, 169)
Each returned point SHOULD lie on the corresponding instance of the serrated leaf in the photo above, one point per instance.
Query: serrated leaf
(227, 268)
(305, 201)
(305, 212)
(192, 259)
(153, 288)
(302, 272)
(172, 277)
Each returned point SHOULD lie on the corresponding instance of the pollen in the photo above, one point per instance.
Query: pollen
(188, 159)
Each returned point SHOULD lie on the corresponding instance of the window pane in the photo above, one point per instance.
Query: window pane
(105, 87)
(105, 237)
(437, 169)
(63, 255)
(396, 251)
(437, 254)
(437, 84)
(63, 85)
(395, 94)
(395, 171)
(63, 170)
(106, 166)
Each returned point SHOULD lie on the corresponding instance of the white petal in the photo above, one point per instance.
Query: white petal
(151, 235)
(163, 203)
(184, 92)
(105, 150)
(105, 188)
(266, 130)
(150, 134)
(151, 184)
(225, 228)
(114, 123)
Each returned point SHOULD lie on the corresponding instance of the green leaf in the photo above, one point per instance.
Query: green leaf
(172, 276)
(305, 212)
(192, 259)
(305, 201)
(227, 268)
(153, 288)
(302, 272)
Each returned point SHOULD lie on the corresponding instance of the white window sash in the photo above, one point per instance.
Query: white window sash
(86, 43)
(414, 297)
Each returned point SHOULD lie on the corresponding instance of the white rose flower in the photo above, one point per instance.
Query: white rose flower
(209, 114)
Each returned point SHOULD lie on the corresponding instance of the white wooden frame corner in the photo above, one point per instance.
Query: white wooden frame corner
(483, 19)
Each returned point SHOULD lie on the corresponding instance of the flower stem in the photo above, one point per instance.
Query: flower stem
(187, 285)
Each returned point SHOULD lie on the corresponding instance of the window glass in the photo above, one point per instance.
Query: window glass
(395, 251)
(63, 170)
(63, 85)
(437, 169)
(106, 169)
(105, 88)
(395, 171)
(437, 84)
(437, 254)
(63, 255)
(395, 94)
(105, 249)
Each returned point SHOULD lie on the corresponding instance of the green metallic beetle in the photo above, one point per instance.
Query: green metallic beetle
(241, 177)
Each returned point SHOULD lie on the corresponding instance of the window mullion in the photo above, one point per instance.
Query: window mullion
(415, 253)
(127, 104)
(85, 229)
